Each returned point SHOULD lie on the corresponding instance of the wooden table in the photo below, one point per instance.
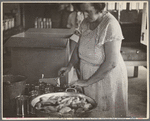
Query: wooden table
(136, 64)
(134, 55)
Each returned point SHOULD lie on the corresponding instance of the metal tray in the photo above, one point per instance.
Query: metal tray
(43, 114)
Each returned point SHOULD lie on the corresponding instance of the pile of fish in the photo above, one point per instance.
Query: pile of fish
(63, 104)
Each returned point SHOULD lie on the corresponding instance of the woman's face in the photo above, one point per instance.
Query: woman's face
(89, 12)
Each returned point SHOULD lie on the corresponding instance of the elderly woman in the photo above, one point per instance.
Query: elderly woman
(103, 71)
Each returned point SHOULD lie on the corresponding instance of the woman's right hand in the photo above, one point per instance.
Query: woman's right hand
(63, 71)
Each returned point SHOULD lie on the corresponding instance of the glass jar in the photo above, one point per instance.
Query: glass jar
(9, 23)
(33, 94)
(36, 23)
(41, 87)
(37, 89)
(6, 25)
(13, 22)
(47, 90)
(32, 87)
(22, 105)
(27, 89)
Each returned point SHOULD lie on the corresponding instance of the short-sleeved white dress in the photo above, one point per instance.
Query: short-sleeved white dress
(111, 93)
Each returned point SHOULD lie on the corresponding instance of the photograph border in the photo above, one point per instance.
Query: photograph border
(33, 1)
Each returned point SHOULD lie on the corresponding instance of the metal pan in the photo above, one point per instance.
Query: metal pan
(43, 114)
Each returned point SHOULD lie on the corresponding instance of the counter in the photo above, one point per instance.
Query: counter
(39, 51)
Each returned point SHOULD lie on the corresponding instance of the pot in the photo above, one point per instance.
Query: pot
(66, 93)
(13, 86)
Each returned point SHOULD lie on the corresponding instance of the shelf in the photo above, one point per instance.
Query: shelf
(10, 32)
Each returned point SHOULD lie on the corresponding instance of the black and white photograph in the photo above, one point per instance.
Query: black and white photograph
(74, 60)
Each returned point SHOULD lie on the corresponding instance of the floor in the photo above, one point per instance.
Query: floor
(137, 91)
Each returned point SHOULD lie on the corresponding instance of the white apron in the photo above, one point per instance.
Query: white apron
(111, 92)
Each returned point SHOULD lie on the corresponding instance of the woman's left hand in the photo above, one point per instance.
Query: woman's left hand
(81, 83)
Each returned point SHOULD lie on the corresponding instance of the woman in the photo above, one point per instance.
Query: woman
(65, 12)
(75, 18)
(103, 71)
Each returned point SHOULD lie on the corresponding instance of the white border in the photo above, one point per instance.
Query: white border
(72, 2)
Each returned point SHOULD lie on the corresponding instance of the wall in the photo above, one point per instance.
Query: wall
(12, 9)
(128, 14)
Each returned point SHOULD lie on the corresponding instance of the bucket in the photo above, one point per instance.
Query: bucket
(13, 86)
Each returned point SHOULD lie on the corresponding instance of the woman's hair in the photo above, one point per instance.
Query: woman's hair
(98, 6)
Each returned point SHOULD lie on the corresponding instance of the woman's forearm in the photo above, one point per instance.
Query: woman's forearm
(112, 53)
(102, 71)
(74, 58)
